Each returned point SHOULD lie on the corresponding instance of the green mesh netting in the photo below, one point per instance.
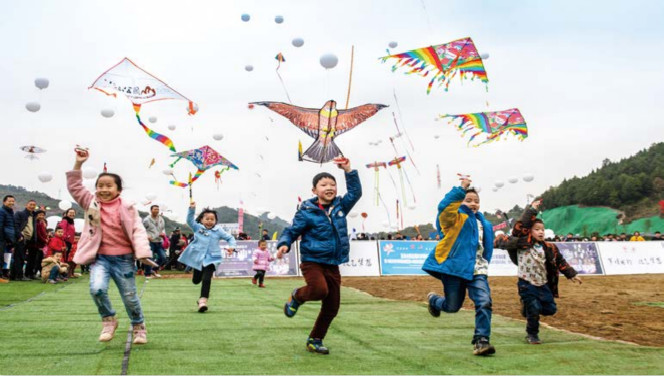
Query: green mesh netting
(585, 221)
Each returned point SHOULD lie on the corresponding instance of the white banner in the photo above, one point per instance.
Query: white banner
(362, 260)
(501, 265)
(632, 257)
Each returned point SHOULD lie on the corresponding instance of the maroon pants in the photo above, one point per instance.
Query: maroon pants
(323, 283)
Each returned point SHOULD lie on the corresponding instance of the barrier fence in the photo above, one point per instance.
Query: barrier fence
(376, 258)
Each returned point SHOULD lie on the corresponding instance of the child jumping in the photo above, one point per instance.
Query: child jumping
(113, 235)
(539, 263)
(321, 221)
(262, 259)
(203, 254)
(461, 261)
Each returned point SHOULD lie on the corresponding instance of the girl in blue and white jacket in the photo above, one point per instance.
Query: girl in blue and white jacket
(204, 253)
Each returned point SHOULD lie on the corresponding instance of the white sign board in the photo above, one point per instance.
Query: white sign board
(632, 257)
(362, 260)
(501, 265)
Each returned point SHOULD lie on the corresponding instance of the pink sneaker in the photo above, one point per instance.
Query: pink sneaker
(202, 305)
(109, 324)
(140, 334)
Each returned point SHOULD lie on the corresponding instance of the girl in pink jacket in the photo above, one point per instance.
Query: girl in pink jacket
(262, 259)
(113, 236)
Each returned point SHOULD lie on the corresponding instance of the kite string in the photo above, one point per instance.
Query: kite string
(350, 76)
(283, 85)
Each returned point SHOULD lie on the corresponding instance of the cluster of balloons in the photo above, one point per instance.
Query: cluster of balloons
(512, 180)
(246, 17)
(41, 84)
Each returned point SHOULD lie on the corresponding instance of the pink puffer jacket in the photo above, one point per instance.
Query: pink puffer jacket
(262, 260)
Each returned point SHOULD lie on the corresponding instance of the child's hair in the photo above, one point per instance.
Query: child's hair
(57, 251)
(116, 178)
(206, 211)
(537, 220)
(260, 242)
(58, 228)
(472, 190)
(321, 176)
(77, 234)
(37, 212)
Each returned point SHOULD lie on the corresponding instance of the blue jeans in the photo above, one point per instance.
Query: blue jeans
(479, 293)
(122, 269)
(159, 256)
(55, 273)
(537, 300)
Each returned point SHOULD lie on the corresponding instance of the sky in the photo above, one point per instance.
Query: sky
(587, 77)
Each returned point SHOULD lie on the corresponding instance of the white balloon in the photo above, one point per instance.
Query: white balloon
(436, 136)
(271, 215)
(168, 171)
(32, 106)
(41, 83)
(484, 56)
(171, 127)
(151, 196)
(386, 224)
(298, 42)
(152, 119)
(45, 177)
(499, 233)
(218, 136)
(513, 180)
(499, 183)
(279, 19)
(107, 113)
(329, 61)
(549, 234)
(528, 178)
(245, 17)
(248, 68)
(495, 189)
(353, 215)
(393, 44)
(89, 173)
(64, 205)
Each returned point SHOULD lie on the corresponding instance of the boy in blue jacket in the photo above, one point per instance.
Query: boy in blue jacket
(461, 261)
(321, 222)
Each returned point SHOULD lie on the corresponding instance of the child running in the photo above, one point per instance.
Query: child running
(113, 235)
(539, 263)
(203, 254)
(461, 261)
(262, 259)
(321, 221)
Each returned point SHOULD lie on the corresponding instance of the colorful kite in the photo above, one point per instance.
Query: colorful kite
(203, 158)
(376, 166)
(398, 162)
(491, 125)
(139, 87)
(443, 61)
(280, 59)
(324, 125)
(32, 151)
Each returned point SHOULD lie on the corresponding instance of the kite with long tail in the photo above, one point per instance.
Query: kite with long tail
(376, 167)
(139, 87)
(203, 158)
(402, 172)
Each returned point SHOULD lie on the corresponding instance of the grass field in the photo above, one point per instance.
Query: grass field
(245, 332)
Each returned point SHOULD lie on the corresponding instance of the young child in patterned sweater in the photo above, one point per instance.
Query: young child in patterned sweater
(539, 264)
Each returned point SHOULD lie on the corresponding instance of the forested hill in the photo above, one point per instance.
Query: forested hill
(633, 185)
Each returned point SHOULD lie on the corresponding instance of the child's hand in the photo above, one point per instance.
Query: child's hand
(576, 279)
(192, 204)
(536, 204)
(343, 163)
(82, 155)
(465, 182)
(256, 261)
(282, 250)
(230, 251)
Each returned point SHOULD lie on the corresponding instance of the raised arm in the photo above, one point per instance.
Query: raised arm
(448, 208)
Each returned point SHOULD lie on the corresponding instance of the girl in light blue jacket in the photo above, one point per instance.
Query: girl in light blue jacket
(203, 254)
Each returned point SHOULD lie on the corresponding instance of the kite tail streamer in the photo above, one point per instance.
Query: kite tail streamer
(411, 187)
(193, 179)
(152, 134)
(403, 187)
(387, 211)
(396, 100)
(376, 181)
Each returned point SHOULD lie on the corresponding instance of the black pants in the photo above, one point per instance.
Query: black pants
(18, 260)
(537, 300)
(204, 276)
(260, 276)
(172, 260)
(34, 259)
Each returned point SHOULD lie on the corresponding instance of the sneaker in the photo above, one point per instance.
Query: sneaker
(433, 311)
(109, 324)
(139, 272)
(156, 274)
(261, 285)
(483, 347)
(253, 280)
(533, 339)
(140, 334)
(315, 345)
(290, 308)
(202, 305)
(52, 281)
(149, 276)
(2, 280)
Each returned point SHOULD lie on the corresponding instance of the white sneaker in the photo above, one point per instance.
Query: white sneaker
(109, 325)
(156, 274)
(140, 334)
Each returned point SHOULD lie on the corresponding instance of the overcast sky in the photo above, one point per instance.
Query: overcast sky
(587, 77)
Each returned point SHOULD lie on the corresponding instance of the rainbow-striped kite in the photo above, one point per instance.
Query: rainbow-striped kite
(139, 87)
(490, 126)
(443, 62)
(203, 158)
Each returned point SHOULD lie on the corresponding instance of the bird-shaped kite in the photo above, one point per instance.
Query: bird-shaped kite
(376, 166)
(32, 151)
(203, 158)
(324, 125)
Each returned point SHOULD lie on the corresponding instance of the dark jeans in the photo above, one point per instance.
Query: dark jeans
(55, 273)
(34, 258)
(323, 283)
(18, 261)
(537, 300)
(478, 291)
(260, 276)
(159, 256)
(204, 276)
